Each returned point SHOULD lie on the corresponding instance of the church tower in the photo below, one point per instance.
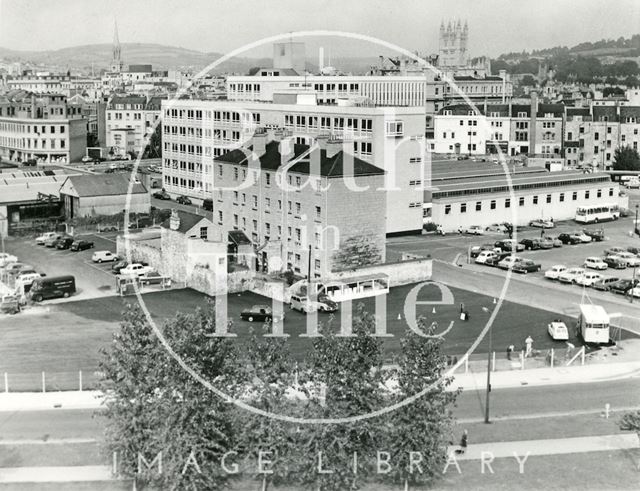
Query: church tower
(453, 44)
(116, 62)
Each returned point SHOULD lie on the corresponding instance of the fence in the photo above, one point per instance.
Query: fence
(50, 381)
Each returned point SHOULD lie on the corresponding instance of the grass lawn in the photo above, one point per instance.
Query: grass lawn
(68, 337)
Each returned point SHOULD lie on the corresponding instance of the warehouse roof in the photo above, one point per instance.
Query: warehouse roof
(102, 185)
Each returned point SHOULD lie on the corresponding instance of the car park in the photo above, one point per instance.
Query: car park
(604, 283)
(509, 261)
(526, 266)
(162, 195)
(588, 278)
(614, 262)
(81, 245)
(622, 286)
(103, 257)
(597, 235)
(6, 258)
(508, 245)
(52, 239)
(183, 200)
(558, 330)
(630, 260)
(259, 313)
(555, 271)
(570, 275)
(64, 243)
(569, 239)
(41, 239)
(474, 230)
(595, 263)
(542, 223)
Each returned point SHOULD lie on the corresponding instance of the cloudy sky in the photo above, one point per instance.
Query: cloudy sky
(496, 26)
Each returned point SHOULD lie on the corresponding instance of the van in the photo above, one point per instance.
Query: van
(53, 287)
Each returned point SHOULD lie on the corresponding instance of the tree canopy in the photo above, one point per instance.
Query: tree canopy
(626, 158)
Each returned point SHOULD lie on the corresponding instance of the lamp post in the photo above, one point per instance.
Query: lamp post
(486, 405)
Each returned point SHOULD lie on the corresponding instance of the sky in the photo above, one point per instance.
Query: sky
(495, 26)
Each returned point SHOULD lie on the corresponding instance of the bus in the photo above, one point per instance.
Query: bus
(597, 213)
(593, 324)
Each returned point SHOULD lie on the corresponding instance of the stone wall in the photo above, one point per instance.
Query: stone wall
(400, 273)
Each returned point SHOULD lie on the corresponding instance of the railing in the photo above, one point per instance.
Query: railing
(86, 379)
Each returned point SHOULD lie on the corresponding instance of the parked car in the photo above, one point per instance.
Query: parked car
(612, 251)
(118, 265)
(305, 305)
(52, 239)
(558, 330)
(260, 313)
(15, 267)
(623, 286)
(81, 245)
(9, 304)
(597, 235)
(571, 275)
(484, 256)
(207, 204)
(555, 271)
(509, 262)
(495, 260)
(569, 239)
(27, 278)
(634, 292)
(135, 269)
(595, 263)
(162, 194)
(64, 243)
(588, 278)
(542, 223)
(183, 200)
(103, 257)
(42, 239)
(154, 278)
(500, 228)
(630, 260)
(53, 287)
(546, 243)
(556, 242)
(526, 266)
(604, 283)
(6, 258)
(614, 262)
(474, 230)
(476, 250)
(634, 250)
(530, 244)
(584, 238)
(106, 228)
(509, 245)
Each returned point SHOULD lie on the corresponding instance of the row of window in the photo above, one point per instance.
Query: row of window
(37, 129)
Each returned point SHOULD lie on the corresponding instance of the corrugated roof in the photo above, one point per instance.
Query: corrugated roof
(104, 185)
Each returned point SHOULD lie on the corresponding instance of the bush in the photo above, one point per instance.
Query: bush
(430, 227)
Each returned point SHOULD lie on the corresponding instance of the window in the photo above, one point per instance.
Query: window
(203, 233)
(267, 177)
(318, 212)
(478, 205)
(535, 200)
(521, 201)
(599, 193)
(254, 201)
(548, 198)
(574, 197)
(220, 217)
(447, 209)
(586, 194)
(463, 207)
(610, 191)
(394, 128)
(507, 203)
(561, 197)
(493, 204)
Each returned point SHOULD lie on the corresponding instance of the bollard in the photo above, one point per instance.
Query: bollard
(44, 387)
(80, 380)
(607, 407)
(6, 382)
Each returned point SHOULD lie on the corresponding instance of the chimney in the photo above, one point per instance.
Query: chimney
(532, 123)
(503, 76)
(333, 147)
(286, 151)
(174, 220)
(259, 142)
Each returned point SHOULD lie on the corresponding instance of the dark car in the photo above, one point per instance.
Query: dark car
(107, 228)
(260, 313)
(154, 278)
(493, 261)
(118, 265)
(183, 200)
(623, 286)
(64, 243)
(162, 195)
(596, 235)
(207, 204)
(569, 239)
(604, 284)
(634, 250)
(614, 262)
(81, 245)
(530, 244)
(526, 266)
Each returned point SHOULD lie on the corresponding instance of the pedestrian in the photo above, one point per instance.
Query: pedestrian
(463, 442)
(510, 350)
(542, 233)
(529, 343)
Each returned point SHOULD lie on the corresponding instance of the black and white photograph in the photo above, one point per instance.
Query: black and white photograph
(376, 245)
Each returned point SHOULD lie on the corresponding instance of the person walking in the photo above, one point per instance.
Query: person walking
(510, 350)
(529, 344)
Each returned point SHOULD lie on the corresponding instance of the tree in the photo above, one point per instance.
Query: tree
(357, 251)
(425, 425)
(154, 405)
(528, 80)
(626, 158)
(154, 149)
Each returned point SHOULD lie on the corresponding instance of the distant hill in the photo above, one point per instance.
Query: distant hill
(161, 57)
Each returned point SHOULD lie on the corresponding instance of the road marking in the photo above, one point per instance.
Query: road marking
(557, 414)
(90, 263)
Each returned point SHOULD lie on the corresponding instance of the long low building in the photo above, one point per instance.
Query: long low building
(520, 198)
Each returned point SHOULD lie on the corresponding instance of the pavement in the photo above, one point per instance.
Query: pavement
(82, 473)
(44, 401)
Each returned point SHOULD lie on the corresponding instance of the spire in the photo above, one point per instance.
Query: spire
(116, 63)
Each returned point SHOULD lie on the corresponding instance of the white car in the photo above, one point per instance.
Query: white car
(584, 238)
(558, 330)
(27, 278)
(595, 263)
(484, 256)
(508, 262)
(555, 271)
(6, 258)
(635, 292)
(571, 275)
(588, 278)
(136, 269)
(103, 257)
(631, 260)
(474, 230)
(41, 239)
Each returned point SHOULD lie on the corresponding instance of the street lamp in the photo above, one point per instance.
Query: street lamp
(486, 405)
